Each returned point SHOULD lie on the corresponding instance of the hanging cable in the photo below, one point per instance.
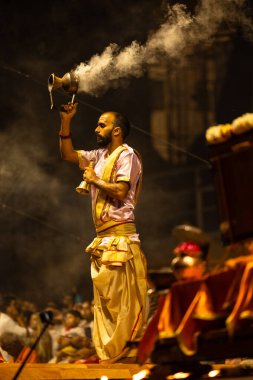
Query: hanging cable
(34, 218)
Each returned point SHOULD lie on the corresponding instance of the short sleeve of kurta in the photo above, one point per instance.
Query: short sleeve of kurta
(128, 167)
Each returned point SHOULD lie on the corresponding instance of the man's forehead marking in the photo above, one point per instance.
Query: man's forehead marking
(105, 117)
(102, 118)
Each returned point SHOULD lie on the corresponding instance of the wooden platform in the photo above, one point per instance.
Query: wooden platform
(69, 371)
(96, 371)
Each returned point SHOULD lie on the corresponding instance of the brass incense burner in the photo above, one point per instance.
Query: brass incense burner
(69, 82)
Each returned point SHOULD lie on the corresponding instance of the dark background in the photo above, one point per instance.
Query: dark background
(45, 224)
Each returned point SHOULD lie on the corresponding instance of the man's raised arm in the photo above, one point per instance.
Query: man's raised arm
(66, 148)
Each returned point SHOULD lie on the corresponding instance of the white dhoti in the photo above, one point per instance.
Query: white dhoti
(118, 271)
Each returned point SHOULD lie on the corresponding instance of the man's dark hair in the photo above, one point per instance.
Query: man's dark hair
(5, 301)
(75, 313)
(122, 122)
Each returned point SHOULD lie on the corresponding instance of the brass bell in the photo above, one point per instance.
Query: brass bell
(84, 187)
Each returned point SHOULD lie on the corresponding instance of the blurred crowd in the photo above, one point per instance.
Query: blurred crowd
(68, 339)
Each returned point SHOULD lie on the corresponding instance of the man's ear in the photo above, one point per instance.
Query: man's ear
(116, 131)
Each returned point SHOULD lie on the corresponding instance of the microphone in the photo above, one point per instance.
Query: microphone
(47, 317)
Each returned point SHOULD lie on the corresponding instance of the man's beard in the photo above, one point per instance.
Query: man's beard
(103, 141)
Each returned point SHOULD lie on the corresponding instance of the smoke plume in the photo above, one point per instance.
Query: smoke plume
(178, 35)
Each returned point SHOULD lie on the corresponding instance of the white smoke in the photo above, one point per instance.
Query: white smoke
(176, 37)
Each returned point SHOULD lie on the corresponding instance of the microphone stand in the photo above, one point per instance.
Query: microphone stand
(46, 317)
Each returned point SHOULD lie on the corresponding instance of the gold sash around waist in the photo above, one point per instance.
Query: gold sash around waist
(113, 228)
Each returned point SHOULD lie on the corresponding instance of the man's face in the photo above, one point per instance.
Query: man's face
(86, 311)
(71, 321)
(104, 129)
(12, 309)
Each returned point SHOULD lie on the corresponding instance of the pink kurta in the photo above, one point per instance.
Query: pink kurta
(128, 169)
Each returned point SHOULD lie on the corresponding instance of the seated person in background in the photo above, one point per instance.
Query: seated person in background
(67, 303)
(26, 309)
(84, 349)
(88, 318)
(43, 350)
(8, 316)
(56, 328)
(71, 339)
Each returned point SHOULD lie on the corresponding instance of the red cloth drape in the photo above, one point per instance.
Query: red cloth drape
(222, 297)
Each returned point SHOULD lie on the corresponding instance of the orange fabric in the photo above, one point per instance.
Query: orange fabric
(1, 358)
(23, 354)
(207, 310)
(219, 299)
(177, 303)
(243, 308)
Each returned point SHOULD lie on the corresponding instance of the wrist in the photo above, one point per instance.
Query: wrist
(64, 136)
(65, 125)
(98, 182)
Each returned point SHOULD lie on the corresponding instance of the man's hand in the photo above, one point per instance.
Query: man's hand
(64, 341)
(117, 190)
(68, 111)
(89, 175)
(68, 153)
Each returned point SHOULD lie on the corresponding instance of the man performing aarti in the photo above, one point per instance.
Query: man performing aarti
(118, 266)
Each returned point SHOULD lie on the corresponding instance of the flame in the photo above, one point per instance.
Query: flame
(178, 375)
(141, 375)
(214, 373)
